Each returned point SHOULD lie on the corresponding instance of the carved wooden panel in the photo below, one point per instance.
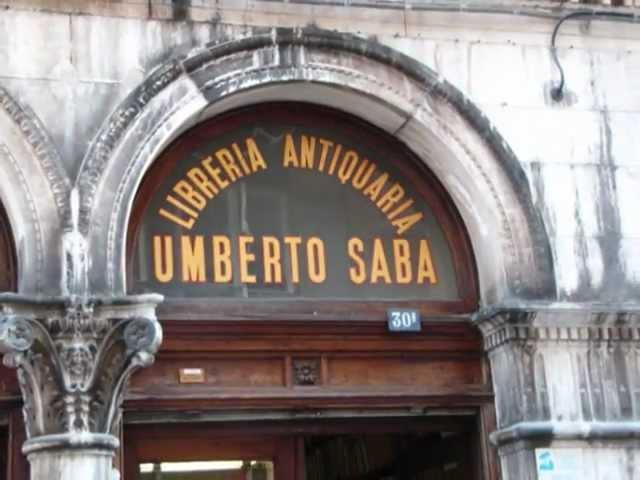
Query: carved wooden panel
(244, 364)
(406, 371)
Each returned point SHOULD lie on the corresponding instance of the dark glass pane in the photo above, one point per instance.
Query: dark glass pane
(287, 207)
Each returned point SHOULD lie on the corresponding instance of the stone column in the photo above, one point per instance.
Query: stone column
(73, 360)
(567, 386)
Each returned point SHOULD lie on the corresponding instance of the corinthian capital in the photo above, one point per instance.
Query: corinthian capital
(73, 362)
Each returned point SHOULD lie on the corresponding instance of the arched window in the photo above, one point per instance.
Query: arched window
(295, 208)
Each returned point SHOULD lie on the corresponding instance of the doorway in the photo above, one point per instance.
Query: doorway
(413, 448)
(418, 456)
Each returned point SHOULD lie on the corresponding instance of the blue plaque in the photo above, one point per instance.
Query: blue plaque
(403, 320)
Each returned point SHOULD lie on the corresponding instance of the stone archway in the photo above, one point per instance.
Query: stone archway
(62, 342)
(364, 78)
(34, 189)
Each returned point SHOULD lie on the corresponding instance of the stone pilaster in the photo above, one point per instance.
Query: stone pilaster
(73, 361)
(567, 380)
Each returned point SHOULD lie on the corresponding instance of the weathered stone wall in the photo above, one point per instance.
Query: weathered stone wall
(580, 154)
(564, 363)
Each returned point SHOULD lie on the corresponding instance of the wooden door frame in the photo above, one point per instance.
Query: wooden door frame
(154, 443)
(17, 466)
(283, 441)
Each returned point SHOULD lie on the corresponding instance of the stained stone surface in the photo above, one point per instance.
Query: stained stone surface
(580, 155)
(564, 353)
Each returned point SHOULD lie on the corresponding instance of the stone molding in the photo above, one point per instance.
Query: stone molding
(111, 134)
(35, 134)
(124, 116)
(563, 373)
(73, 360)
(424, 111)
(212, 11)
(502, 327)
(547, 431)
(34, 190)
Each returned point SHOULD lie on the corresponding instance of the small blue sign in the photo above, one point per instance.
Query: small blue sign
(403, 320)
(545, 462)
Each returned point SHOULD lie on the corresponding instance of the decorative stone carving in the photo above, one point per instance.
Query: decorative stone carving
(531, 350)
(521, 326)
(306, 371)
(34, 188)
(97, 157)
(44, 150)
(73, 361)
(16, 334)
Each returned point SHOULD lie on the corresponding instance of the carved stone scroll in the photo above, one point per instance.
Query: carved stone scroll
(73, 362)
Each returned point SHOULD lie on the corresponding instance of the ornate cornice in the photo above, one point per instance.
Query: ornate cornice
(73, 361)
(527, 326)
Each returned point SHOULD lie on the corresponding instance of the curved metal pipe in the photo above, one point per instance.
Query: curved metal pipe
(557, 92)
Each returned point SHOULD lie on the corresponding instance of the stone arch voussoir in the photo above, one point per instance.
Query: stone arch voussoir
(34, 189)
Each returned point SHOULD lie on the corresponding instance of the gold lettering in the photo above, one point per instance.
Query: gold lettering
(255, 157)
(163, 256)
(271, 256)
(189, 194)
(316, 261)
(293, 243)
(334, 160)
(202, 182)
(241, 159)
(400, 209)
(222, 270)
(307, 151)
(405, 223)
(425, 264)
(193, 265)
(177, 203)
(326, 144)
(389, 199)
(214, 172)
(357, 273)
(245, 258)
(379, 266)
(402, 257)
(228, 164)
(349, 163)
(170, 216)
(363, 174)
(374, 189)
(289, 157)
